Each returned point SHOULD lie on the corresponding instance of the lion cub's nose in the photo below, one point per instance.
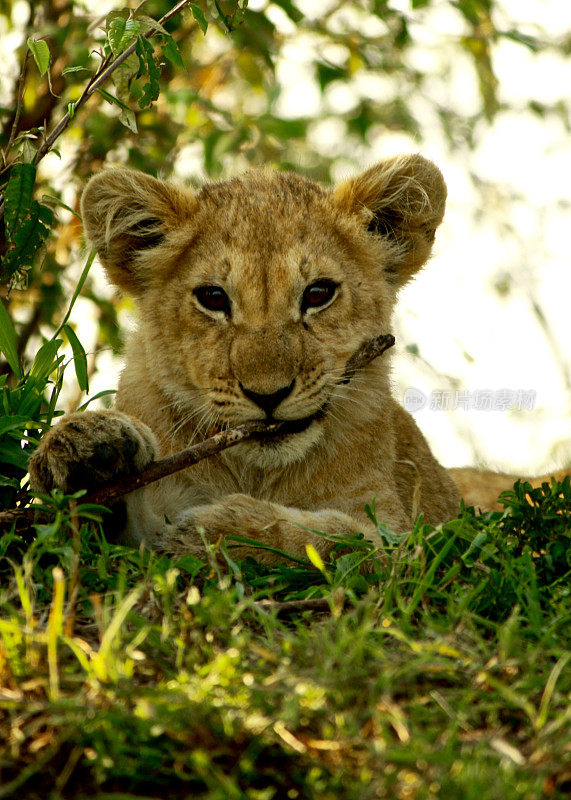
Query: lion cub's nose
(268, 402)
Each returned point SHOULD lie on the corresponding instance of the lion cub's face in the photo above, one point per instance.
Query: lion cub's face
(267, 303)
(255, 292)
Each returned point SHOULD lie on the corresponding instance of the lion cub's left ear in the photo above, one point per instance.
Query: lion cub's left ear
(401, 199)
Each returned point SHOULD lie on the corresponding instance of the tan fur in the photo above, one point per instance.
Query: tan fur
(481, 488)
(263, 238)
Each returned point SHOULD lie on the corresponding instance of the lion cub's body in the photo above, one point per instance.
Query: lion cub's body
(253, 295)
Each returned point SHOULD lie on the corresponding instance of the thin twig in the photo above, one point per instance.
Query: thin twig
(286, 608)
(19, 103)
(369, 351)
(185, 458)
(17, 517)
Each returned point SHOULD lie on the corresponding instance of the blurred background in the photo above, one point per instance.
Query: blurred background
(482, 87)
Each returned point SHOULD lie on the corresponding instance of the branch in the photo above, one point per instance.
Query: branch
(287, 608)
(185, 458)
(367, 353)
(19, 104)
(101, 76)
(98, 80)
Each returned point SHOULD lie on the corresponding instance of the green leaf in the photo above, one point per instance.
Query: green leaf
(45, 360)
(103, 393)
(41, 53)
(473, 551)
(115, 101)
(27, 239)
(128, 119)
(79, 358)
(257, 545)
(172, 52)
(121, 33)
(27, 222)
(5, 481)
(114, 28)
(8, 341)
(124, 74)
(127, 116)
(57, 387)
(19, 194)
(59, 202)
(11, 453)
(9, 423)
(148, 66)
(198, 15)
(30, 399)
(69, 70)
(150, 24)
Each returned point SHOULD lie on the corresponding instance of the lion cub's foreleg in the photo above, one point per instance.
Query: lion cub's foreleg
(271, 524)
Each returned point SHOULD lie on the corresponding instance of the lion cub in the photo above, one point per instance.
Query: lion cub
(253, 294)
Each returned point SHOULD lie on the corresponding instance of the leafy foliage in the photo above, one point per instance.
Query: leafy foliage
(27, 407)
(27, 223)
(539, 524)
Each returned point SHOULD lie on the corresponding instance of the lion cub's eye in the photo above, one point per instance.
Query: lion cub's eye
(213, 298)
(318, 294)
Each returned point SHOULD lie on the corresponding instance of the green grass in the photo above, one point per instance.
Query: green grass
(439, 670)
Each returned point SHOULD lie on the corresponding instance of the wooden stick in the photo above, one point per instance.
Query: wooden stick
(287, 608)
(185, 458)
(367, 353)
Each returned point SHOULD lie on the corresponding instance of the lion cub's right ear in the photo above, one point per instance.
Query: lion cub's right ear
(401, 200)
(127, 216)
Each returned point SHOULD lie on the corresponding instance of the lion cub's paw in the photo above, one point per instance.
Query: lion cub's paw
(90, 449)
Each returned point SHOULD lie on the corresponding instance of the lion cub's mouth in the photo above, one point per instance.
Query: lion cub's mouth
(286, 428)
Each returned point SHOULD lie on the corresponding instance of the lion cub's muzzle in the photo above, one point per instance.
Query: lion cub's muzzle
(268, 402)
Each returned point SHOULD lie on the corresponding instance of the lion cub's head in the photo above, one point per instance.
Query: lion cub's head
(255, 292)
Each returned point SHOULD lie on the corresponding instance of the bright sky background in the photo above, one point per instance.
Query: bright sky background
(452, 310)
(453, 307)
